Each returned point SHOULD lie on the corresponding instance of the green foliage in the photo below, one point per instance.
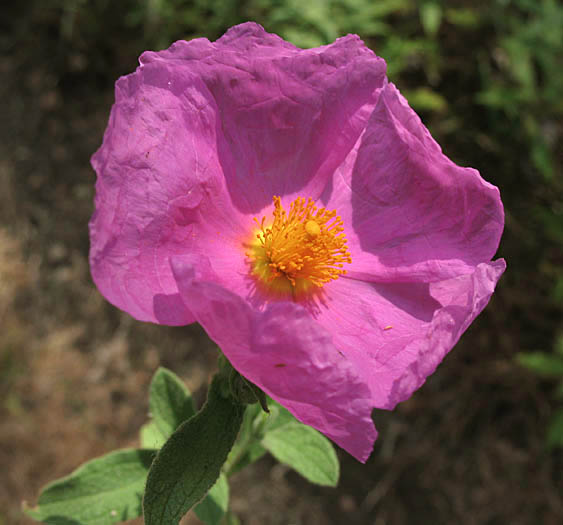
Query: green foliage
(306, 451)
(549, 365)
(516, 46)
(188, 468)
(109, 489)
(216, 504)
(255, 426)
(150, 436)
(170, 402)
(513, 49)
(555, 430)
(425, 99)
(231, 519)
(247, 448)
(523, 76)
(463, 17)
(190, 462)
(103, 491)
(300, 447)
(431, 17)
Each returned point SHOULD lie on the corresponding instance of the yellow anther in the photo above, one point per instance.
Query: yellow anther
(312, 228)
(301, 248)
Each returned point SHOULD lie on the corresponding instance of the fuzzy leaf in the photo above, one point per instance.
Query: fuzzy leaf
(304, 450)
(214, 506)
(170, 402)
(151, 436)
(279, 416)
(189, 463)
(105, 490)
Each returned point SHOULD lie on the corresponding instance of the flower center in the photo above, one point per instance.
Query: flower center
(301, 248)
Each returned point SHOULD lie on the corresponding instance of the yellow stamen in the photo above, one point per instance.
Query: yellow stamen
(312, 228)
(304, 247)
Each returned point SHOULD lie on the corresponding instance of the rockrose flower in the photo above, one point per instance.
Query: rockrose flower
(292, 203)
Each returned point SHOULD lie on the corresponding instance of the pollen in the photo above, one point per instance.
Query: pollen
(303, 247)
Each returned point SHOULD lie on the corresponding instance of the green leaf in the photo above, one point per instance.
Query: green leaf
(463, 17)
(558, 392)
(430, 17)
(151, 436)
(424, 99)
(542, 363)
(214, 506)
(170, 402)
(555, 430)
(279, 416)
(541, 156)
(189, 463)
(102, 491)
(306, 451)
(231, 519)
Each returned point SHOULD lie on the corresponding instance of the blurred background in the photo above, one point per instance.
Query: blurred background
(480, 443)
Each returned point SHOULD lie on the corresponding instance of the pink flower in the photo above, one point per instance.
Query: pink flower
(331, 314)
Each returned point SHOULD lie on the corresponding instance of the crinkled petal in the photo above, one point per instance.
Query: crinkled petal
(410, 213)
(203, 132)
(289, 116)
(160, 191)
(398, 333)
(463, 298)
(286, 353)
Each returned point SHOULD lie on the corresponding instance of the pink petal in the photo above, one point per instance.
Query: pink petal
(288, 116)
(410, 213)
(202, 131)
(285, 353)
(398, 333)
(160, 191)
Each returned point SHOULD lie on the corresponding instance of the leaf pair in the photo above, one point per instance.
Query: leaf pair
(190, 462)
(194, 448)
(110, 489)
